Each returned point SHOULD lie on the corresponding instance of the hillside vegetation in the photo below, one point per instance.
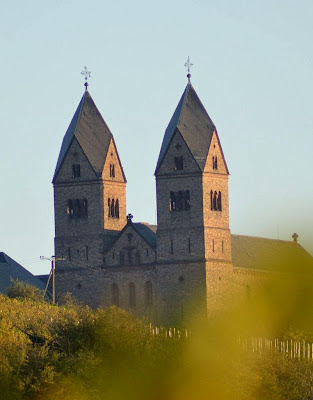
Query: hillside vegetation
(72, 352)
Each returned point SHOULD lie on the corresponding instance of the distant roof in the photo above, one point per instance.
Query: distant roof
(269, 254)
(91, 132)
(11, 270)
(254, 253)
(194, 124)
(148, 232)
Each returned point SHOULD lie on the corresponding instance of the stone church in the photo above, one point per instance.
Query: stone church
(190, 260)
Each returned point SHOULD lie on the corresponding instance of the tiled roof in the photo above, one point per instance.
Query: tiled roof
(10, 269)
(91, 132)
(269, 254)
(194, 124)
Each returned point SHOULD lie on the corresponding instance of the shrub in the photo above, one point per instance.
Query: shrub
(23, 290)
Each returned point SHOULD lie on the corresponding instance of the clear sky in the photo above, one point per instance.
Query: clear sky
(253, 71)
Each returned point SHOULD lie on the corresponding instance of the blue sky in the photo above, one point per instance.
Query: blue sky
(253, 70)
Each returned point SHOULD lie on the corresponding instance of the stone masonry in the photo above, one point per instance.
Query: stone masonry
(180, 267)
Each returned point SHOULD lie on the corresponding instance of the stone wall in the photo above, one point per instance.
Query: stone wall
(94, 287)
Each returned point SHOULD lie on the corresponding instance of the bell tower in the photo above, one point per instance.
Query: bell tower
(89, 190)
(193, 235)
(192, 187)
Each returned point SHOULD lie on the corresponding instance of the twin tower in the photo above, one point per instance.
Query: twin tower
(104, 258)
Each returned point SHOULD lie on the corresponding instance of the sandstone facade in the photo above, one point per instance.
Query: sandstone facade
(165, 272)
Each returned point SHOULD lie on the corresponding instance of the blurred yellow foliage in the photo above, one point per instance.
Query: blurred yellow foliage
(71, 352)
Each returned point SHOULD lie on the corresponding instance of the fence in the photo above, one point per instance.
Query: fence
(291, 348)
(169, 332)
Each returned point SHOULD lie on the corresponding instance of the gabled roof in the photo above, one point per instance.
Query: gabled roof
(194, 124)
(91, 132)
(145, 231)
(10, 269)
(258, 253)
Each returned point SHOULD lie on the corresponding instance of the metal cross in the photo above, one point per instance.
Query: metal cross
(86, 74)
(188, 64)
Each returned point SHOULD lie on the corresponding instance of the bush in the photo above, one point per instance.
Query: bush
(21, 290)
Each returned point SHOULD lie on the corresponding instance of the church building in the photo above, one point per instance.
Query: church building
(189, 260)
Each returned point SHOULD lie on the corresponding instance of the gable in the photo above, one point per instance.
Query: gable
(215, 161)
(74, 157)
(177, 149)
(112, 167)
(133, 246)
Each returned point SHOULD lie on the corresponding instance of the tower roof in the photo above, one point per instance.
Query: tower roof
(194, 124)
(91, 132)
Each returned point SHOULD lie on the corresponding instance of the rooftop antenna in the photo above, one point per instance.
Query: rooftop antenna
(188, 65)
(86, 74)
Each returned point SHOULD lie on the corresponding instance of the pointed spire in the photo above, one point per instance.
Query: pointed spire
(92, 133)
(193, 123)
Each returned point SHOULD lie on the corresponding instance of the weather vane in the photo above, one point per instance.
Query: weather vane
(86, 74)
(188, 64)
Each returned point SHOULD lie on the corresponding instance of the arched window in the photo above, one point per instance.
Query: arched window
(172, 201)
(132, 295)
(179, 163)
(219, 201)
(214, 161)
(148, 294)
(117, 210)
(215, 201)
(211, 197)
(75, 170)
(70, 209)
(112, 208)
(180, 201)
(115, 294)
(109, 207)
(112, 170)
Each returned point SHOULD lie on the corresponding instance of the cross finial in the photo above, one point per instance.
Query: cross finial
(188, 64)
(86, 74)
(295, 237)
